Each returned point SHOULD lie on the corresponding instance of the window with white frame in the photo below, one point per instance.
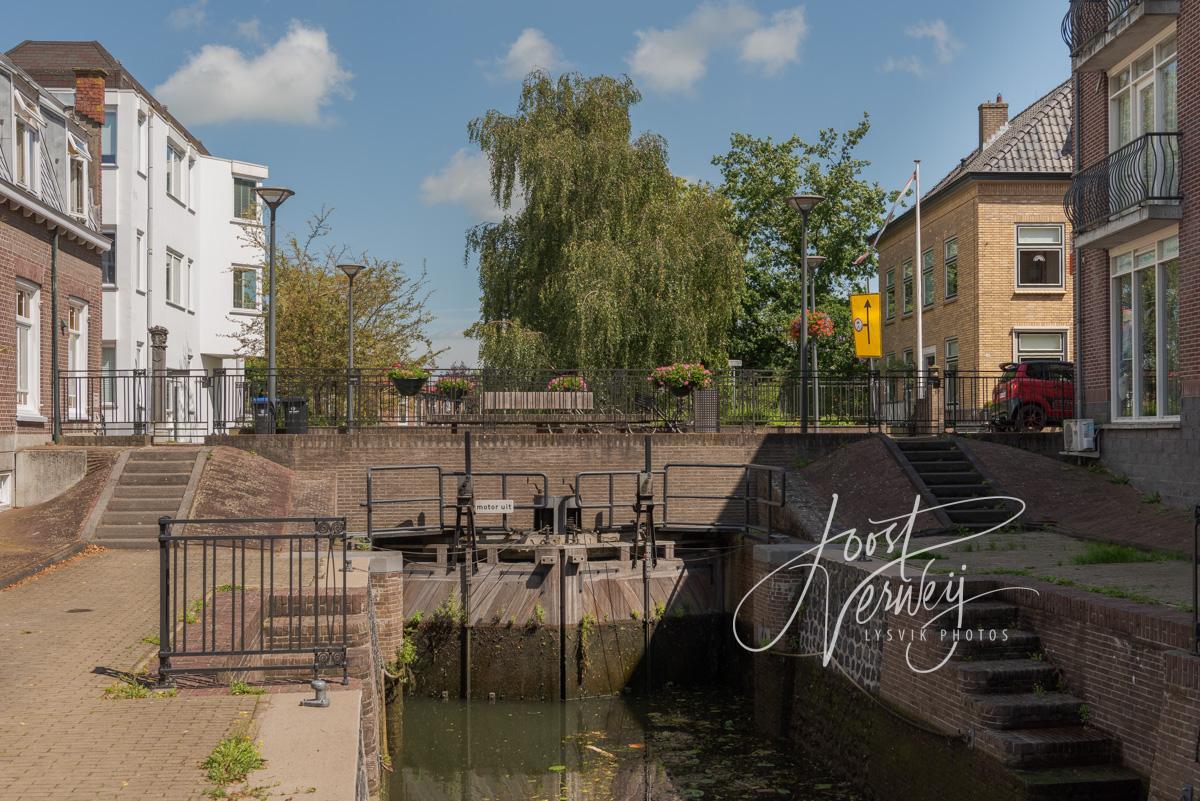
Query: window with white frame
(927, 286)
(108, 137)
(1039, 346)
(245, 288)
(108, 375)
(142, 259)
(142, 149)
(28, 347)
(907, 286)
(188, 292)
(174, 278)
(951, 368)
(174, 172)
(1145, 331)
(1143, 96)
(77, 152)
(950, 261)
(890, 298)
(26, 133)
(245, 201)
(77, 320)
(108, 261)
(21, 150)
(1039, 256)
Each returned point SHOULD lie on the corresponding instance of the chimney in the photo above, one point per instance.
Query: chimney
(89, 113)
(992, 117)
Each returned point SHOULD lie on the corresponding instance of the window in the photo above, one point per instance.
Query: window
(28, 347)
(952, 369)
(1145, 331)
(1039, 256)
(245, 288)
(141, 143)
(907, 287)
(108, 261)
(174, 172)
(188, 294)
(174, 278)
(1144, 96)
(927, 289)
(890, 298)
(951, 268)
(141, 257)
(245, 201)
(77, 186)
(76, 358)
(29, 121)
(108, 137)
(21, 154)
(908, 358)
(108, 372)
(1039, 346)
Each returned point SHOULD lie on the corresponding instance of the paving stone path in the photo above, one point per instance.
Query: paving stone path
(59, 738)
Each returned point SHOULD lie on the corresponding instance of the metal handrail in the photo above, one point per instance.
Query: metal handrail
(1144, 171)
(1087, 19)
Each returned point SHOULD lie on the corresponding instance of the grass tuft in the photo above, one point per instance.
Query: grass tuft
(232, 760)
(239, 687)
(1108, 553)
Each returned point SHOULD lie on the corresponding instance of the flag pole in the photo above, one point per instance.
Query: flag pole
(919, 284)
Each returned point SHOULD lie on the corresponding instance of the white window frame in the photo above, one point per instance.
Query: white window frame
(254, 215)
(907, 300)
(246, 268)
(1062, 355)
(890, 298)
(141, 258)
(110, 158)
(1161, 56)
(76, 318)
(928, 297)
(1164, 249)
(1062, 257)
(28, 326)
(108, 375)
(174, 171)
(946, 262)
(142, 144)
(78, 159)
(173, 278)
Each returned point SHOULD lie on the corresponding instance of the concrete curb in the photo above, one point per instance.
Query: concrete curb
(189, 494)
(88, 533)
(56, 557)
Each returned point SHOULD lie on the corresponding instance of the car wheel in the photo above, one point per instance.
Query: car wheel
(1031, 417)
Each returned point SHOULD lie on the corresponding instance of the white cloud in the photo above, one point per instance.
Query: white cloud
(776, 45)
(192, 16)
(945, 48)
(290, 81)
(531, 50)
(674, 60)
(249, 29)
(466, 181)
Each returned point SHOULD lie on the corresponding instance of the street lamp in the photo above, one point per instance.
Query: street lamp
(274, 198)
(350, 270)
(803, 205)
(814, 263)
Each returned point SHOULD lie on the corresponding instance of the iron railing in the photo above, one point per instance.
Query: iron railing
(1145, 171)
(1087, 19)
(252, 594)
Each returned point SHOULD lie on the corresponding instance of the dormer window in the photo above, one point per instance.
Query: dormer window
(78, 153)
(29, 124)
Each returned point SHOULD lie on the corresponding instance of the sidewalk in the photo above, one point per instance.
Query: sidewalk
(59, 738)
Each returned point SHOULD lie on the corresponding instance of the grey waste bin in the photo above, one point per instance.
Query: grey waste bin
(295, 415)
(264, 416)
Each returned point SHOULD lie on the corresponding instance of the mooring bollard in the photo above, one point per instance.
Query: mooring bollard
(320, 694)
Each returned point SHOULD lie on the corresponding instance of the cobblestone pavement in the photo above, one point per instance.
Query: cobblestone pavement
(59, 738)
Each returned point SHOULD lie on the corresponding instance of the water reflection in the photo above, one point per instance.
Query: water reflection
(679, 745)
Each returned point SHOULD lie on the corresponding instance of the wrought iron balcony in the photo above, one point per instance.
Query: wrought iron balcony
(1142, 176)
(1102, 32)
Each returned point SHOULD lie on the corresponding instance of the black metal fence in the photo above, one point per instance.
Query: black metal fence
(189, 405)
(1144, 171)
(252, 594)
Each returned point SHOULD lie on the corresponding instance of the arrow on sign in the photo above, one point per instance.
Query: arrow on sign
(867, 306)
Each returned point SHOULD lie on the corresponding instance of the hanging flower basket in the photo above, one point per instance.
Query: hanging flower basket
(820, 326)
(454, 388)
(408, 379)
(681, 379)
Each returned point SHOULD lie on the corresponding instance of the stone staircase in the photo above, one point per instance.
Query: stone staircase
(151, 485)
(1024, 716)
(949, 476)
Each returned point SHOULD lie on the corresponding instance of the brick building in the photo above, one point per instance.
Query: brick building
(996, 277)
(49, 224)
(1137, 236)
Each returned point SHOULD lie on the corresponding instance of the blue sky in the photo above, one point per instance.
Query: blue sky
(363, 106)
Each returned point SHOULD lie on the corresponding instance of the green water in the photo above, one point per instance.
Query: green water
(676, 745)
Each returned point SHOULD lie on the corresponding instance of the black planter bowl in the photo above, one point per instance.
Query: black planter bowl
(681, 392)
(408, 386)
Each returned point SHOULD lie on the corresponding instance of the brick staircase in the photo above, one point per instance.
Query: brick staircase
(151, 485)
(1024, 717)
(949, 476)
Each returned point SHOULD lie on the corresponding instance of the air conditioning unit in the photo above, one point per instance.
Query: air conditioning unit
(1079, 436)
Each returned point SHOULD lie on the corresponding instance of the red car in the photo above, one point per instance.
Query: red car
(1033, 395)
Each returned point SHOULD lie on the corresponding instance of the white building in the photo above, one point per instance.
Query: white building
(181, 219)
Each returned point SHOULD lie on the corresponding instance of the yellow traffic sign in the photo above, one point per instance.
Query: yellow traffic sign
(868, 332)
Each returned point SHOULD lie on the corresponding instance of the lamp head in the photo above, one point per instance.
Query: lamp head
(815, 261)
(273, 196)
(803, 204)
(351, 270)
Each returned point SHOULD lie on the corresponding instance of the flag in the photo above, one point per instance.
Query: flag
(891, 215)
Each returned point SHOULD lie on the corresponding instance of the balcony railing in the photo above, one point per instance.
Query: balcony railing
(1144, 172)
(1087, 19)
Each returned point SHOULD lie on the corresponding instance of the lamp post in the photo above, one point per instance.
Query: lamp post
(803, 205)
(274, 198)
(350, 270)
(814, 263)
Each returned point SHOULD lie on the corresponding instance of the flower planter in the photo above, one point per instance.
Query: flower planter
(681, 392)
(408, 386)
(452, 394)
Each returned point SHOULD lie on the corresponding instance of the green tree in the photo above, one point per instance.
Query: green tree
(612, 260)
(758, 177)
(310, 320)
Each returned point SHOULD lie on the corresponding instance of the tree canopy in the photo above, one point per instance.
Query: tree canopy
(310, 321)
(607, 260)
(759, 175)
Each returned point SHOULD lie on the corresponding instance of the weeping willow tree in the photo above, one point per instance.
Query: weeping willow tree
(603, 255)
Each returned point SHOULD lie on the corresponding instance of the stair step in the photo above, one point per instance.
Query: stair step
(951, 492)
(943, 466)
(1087, 783)
(158, 479)
(932, 444)
(163, 455)
(1025, 710)
(979, 614)
(137, 543)
(1005, 676)
(141, 518)
(928, 456)
(959, 515)
(1011, 644)
(1045, 748)
(158, 467)
(159, 506)
(146, 491)
(964, 477)
(147, 533)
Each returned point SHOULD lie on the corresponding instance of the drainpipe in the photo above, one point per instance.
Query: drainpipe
(1077, 279)
(149, 287)
(55, 399)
